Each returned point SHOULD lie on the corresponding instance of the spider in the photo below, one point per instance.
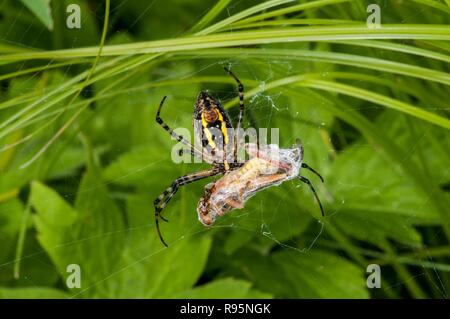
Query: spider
(210, 120)
(211, 127)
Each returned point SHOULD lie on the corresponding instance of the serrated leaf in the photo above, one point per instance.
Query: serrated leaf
(154, 271)
(90, 236)
(376, 186)
(373, 197)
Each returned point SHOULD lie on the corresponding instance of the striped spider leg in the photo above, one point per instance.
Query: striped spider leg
(196, 152)
(241, 113)
(253, 151)
(298, 149)
(162, 200)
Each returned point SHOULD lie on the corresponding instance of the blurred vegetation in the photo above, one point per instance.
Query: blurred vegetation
(82, 159)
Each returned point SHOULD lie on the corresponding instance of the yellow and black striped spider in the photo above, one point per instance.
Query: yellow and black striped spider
(211, 129)
(241, 180)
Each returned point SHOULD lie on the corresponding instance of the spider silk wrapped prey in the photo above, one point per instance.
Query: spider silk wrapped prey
(267, 166)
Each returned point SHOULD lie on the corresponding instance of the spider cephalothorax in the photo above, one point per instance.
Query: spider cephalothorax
(212, 127)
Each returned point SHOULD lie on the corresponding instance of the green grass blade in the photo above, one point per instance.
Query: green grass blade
(378, 99)
(299, 34)
(335, 58)
(289, 10)
(260, 7)
(211, 15)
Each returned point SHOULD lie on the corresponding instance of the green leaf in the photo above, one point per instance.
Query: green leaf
(377, 200)
(138, 166)
(35, 267)
(374, 227)
(227, 288)
(377, 186)
(10, 220)
(90, 235)
(10, 217)
(318, 274)
(52, 210)
(42, 10)
(32, 293)
(422, 143)
(152, 270)
(260, 269)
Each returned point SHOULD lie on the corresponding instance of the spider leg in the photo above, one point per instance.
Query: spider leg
(181, 152)
(241, 110)
(306, 181)
(176, 136)
(304, 165)
(161, 201)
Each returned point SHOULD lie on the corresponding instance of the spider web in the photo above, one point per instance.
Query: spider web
(268, 99)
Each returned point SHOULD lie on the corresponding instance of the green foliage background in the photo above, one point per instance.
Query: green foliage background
(81, 157)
